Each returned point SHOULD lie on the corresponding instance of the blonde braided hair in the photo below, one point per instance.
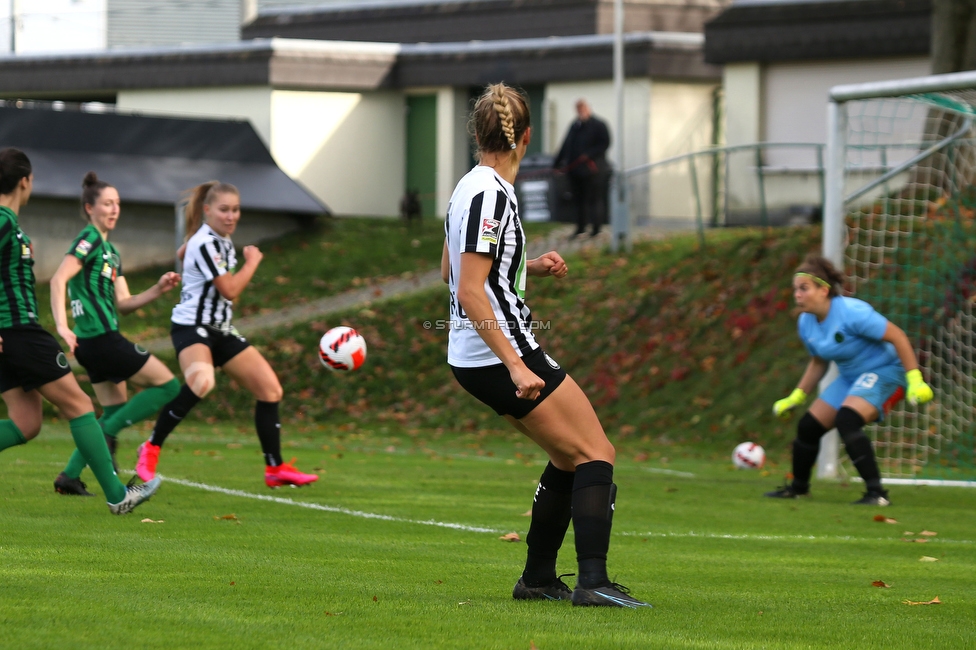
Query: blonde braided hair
(500, 117)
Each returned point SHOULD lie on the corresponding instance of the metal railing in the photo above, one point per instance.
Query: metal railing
(763, 183)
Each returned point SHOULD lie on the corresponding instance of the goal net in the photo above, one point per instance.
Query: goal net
(900, 215)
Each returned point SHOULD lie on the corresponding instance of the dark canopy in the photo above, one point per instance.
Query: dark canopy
(149, 159)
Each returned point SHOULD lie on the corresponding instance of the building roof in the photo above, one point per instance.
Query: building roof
(818, 29)
(437, 21)
(149, 159)
(541, 60)
(342, 65)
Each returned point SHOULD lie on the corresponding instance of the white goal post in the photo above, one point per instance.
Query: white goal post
(900, 219)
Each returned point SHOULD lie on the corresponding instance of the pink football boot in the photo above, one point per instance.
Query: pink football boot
(148, 458)
(287, 474)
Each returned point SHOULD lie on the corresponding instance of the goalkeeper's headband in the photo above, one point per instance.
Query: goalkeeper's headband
(820, 281)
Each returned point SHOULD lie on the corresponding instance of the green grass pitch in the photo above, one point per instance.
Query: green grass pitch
(397, 546)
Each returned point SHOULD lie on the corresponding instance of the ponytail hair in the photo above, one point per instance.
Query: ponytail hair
(499, 119)
(14, 165)
(91, 189)
(823, 269)
(203, 194)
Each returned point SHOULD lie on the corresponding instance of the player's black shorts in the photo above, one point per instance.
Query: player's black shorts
(224, 344)
(110, 357)
(31, 358)
(493, 384)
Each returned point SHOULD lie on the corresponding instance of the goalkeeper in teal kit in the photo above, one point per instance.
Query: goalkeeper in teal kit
(877, 367)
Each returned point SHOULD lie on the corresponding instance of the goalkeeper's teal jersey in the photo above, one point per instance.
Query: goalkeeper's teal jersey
(92, 291)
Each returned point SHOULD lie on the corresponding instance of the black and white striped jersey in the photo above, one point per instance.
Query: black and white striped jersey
(483, 218)
(208, 256)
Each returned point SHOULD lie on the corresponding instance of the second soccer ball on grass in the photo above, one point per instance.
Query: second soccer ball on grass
(748, 455)
(342, 348)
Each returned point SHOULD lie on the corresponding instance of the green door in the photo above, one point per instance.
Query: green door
(422, 150)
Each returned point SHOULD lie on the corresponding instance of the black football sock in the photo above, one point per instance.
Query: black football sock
(551, 514)
(806, 448)
(850, 427)
(593, 503)
(172, 414)
(268, 425)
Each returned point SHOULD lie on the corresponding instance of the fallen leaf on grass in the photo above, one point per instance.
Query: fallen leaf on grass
(511, 537)
(232, 584)
(152, 521)
(532, 645)
(928, 533)
(928, 558)
(231, 517)
(670, 489)
(333, 613)
(374, 599)
(907, 533)
(438, 582)
(934, 601)
(885, 520)
(880, 583)
(464, 602)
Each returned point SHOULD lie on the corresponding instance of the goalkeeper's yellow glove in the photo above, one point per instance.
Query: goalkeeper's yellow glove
(918, 391)
(783, 408)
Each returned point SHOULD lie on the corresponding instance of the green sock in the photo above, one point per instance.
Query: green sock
(10, 435)
(76, 464)
(91, 443)
(141, 406)
(107, 412)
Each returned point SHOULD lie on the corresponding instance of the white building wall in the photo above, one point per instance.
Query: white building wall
(794, 97)
(251, 103)
(681, 122)
(347, 148)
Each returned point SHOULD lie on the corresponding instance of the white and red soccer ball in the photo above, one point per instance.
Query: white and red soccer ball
(342, 348)
(748, 455)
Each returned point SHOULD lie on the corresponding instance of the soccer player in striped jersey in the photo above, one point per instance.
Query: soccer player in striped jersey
(32, 364)
(494, 355)
(877, 367)
(204, 337)
(92, 272)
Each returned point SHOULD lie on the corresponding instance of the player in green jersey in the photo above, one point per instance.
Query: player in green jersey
(32, 364)
(92, 271)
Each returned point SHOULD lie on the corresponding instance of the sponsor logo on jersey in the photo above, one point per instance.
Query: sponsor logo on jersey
(219, 261)
(26, 252)
(839, 337)
(108, 271)
(83, 247)
(489, 230)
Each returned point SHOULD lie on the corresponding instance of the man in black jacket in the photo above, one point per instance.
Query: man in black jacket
(583, 158)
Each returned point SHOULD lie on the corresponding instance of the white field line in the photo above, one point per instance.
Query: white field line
(483, 529)
(317, 506)
(669, 472)
(783, 538)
